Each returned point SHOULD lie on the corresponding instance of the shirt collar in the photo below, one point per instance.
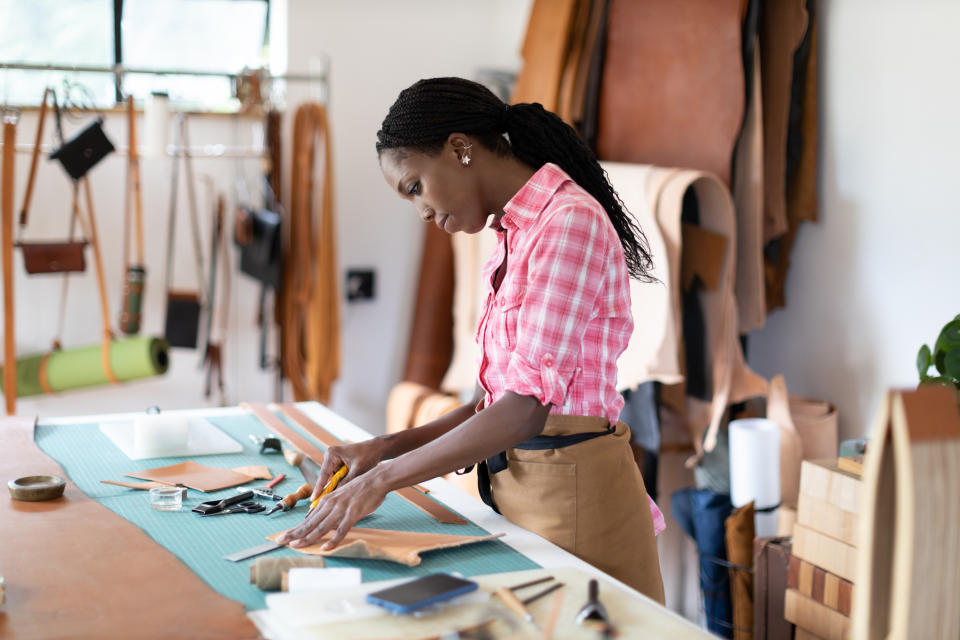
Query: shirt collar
(525, 206)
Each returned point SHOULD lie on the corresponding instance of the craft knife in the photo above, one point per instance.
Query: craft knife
(260, 549)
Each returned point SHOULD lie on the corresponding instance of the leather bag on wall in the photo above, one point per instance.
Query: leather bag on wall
(673, 87)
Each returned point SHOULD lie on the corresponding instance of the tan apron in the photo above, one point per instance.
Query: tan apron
(587, 498)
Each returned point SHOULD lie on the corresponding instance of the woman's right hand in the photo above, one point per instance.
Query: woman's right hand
(359, 457)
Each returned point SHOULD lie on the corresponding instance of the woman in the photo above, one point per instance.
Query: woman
(554, 458)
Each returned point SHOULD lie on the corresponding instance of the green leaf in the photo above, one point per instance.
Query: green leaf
(923, 362)
(949, 337)
(951, 364)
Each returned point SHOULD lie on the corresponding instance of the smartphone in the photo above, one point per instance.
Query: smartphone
(421, 592)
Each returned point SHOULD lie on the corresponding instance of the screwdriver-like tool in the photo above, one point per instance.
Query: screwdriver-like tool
(290, 500)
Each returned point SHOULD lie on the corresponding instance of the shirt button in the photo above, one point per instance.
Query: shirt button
(502, 302)
(548, 362)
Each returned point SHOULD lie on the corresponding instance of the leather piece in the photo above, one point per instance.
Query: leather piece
(802, 185)
(569, 101)
(588, 499)
(402, 405)
(750, 284)
(664, 62)
(703, 255)
(310, 329)
(402, 547)
(431, 334)
(783, 24)
(140, 588)
(739, 540)
(544, 52)
(193, 475)
(6, 258)
(575, 109)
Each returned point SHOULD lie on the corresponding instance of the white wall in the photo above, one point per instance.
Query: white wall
(376, 48)
(879, 274)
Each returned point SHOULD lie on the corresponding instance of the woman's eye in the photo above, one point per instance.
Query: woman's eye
(414, 188)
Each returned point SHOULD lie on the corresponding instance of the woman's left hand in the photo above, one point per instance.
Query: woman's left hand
(338, 511)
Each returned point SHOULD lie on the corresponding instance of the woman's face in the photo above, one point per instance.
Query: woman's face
(441, 187)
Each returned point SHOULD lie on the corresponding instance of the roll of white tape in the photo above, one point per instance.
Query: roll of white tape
(157, 122)
(158, 435)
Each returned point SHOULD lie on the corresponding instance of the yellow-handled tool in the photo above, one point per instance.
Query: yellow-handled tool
(331, 485)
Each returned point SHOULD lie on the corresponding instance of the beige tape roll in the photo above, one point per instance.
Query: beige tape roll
(270, 574)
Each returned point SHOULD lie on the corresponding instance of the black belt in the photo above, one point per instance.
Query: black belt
(498, 462)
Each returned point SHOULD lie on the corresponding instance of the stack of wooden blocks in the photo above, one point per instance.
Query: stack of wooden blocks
(821, 573)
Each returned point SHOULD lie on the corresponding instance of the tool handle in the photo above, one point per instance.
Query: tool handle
(331, 485)
(513, 603)
(593, 589)
(300, 494)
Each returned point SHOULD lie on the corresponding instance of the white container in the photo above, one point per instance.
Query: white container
(156, 113)
(158, 435)
(755, 469)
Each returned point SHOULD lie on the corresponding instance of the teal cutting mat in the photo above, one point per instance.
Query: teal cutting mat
(88, 456)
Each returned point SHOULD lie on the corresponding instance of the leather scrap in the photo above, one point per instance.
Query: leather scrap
(402, 547)
(193, 475)
(68, 586)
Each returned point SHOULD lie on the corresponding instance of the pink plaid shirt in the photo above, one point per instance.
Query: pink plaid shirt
(561, 316)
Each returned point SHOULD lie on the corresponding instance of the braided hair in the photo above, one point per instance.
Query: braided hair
(427, 112)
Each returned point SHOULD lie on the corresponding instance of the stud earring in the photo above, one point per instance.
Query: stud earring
(465, 158)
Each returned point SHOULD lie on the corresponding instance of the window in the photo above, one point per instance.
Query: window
(222, 36)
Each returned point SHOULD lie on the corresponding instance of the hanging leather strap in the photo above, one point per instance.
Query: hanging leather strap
(35, 156)
(6, 205)
(133, 164)
(311, 300)
(101, 285)
(180, 145)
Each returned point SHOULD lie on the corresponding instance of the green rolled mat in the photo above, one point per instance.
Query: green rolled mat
(130, 358)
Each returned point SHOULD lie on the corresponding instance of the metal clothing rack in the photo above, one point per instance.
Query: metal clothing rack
(196, 151)
(120, 70)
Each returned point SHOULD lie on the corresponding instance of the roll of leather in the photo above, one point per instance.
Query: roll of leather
(269, 574)
(673, 85)
(545, 51)
(783, 24)
(403, 403)
(431, 335)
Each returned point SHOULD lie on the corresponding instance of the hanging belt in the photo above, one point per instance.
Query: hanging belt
(497, 463)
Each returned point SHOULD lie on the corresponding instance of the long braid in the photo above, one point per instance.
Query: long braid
(427, 112)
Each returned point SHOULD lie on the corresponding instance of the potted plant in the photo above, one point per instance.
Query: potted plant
(945, 356)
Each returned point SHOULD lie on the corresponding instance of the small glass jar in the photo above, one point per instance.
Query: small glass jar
(166, 498)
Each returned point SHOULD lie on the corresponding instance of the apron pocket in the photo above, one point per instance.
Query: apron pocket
(540, 497)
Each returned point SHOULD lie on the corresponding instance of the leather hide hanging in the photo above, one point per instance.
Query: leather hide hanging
(673, 84)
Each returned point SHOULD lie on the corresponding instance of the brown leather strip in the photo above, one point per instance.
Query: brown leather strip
(35, 156)
(301, 420)
(56, 555)
(429, 506)
(277, 425)
(101, 284)
(42, 374)
(6, 204)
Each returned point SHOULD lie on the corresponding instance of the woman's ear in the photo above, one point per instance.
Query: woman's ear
(461, 146)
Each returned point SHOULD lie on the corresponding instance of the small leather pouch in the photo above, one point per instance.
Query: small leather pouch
(183, 319)
(53, 257)
(79, 154)
(257, 233)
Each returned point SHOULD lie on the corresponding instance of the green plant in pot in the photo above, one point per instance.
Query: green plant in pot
(945, 357)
